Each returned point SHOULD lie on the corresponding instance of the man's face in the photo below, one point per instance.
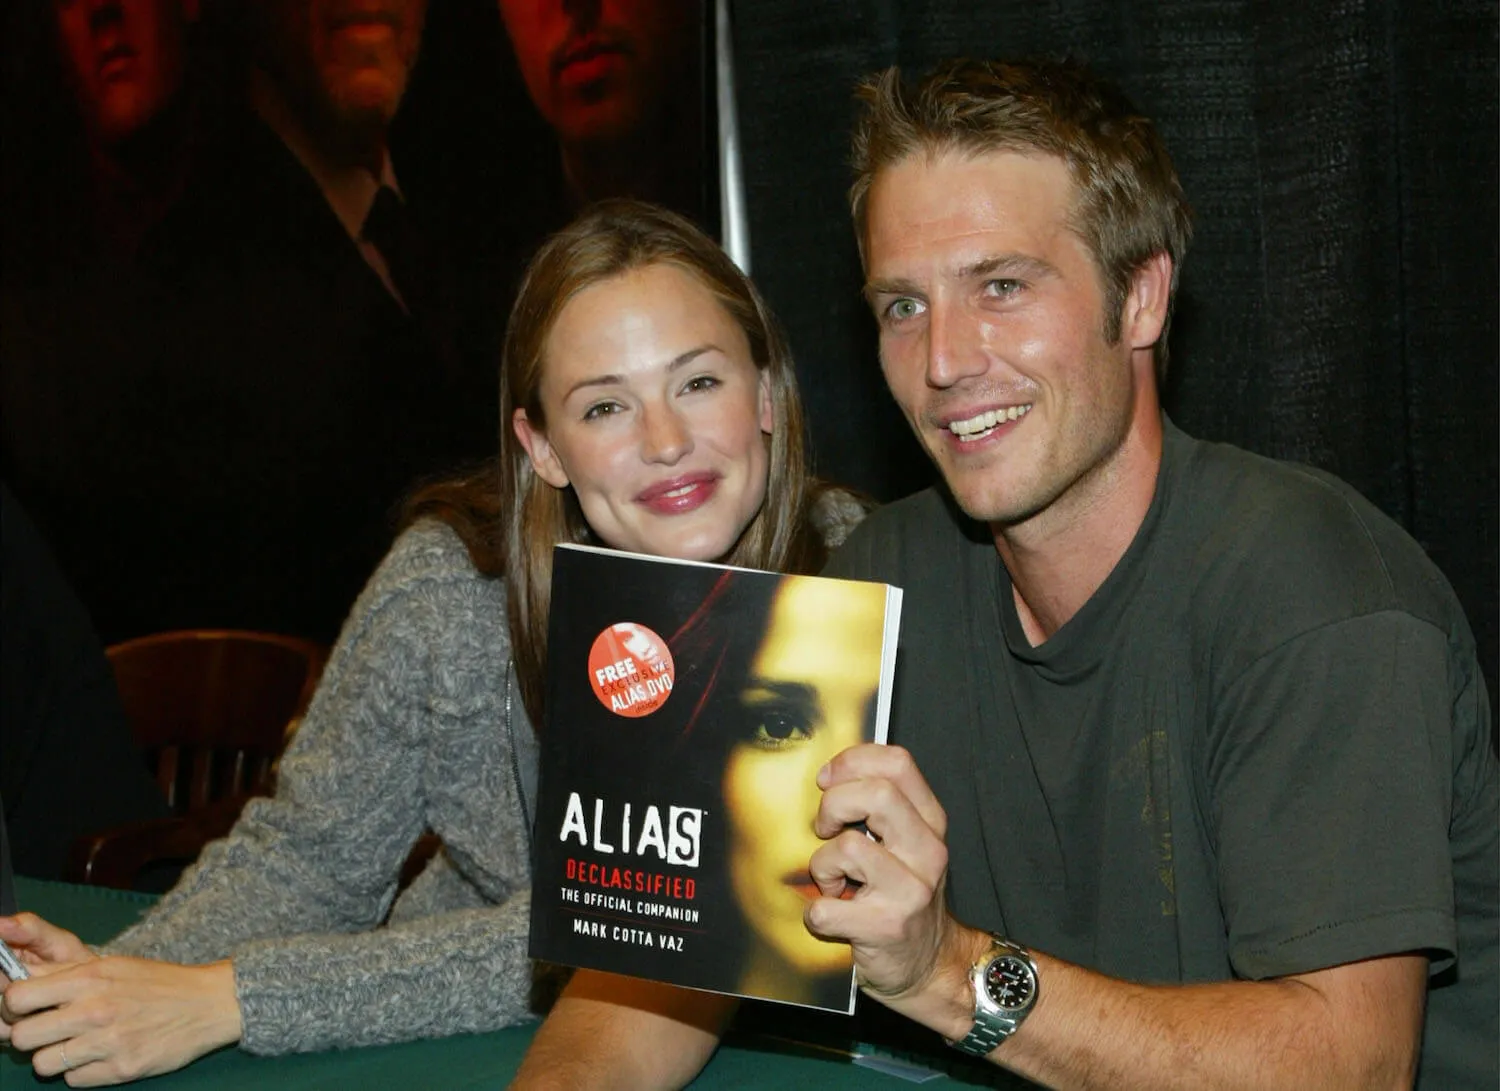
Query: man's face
(124, 59)
(990, 311)
(352, 58)
(599, 70)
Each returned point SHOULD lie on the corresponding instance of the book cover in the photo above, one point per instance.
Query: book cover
(689, 709)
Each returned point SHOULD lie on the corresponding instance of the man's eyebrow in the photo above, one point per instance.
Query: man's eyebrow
(897, 286)
(1007, 266)
(679, 361)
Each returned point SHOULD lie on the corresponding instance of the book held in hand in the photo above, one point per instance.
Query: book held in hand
(689, 709)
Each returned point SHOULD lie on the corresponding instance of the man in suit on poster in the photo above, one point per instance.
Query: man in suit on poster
(287, 366)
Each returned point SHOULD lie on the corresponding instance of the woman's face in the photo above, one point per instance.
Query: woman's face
(810, 694)
(656, 415)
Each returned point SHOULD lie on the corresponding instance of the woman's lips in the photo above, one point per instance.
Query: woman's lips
(802, 883)
(679, 495)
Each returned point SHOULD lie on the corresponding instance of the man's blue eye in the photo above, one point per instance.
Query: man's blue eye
(904, 308)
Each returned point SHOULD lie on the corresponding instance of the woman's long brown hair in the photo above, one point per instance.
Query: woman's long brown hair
(509, 519)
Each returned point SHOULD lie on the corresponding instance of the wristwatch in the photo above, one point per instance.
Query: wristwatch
(1005, 990)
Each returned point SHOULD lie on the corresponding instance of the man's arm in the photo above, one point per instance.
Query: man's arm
(608, 1031)
(1352, 1026)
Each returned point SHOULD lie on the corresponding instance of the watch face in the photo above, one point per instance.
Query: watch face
(1009, 982)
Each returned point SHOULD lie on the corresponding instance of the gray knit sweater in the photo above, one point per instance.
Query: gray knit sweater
(406, 733)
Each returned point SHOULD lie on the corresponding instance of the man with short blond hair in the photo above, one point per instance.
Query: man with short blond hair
(1210, 745)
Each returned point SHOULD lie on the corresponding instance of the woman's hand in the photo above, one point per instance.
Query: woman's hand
(108, 1020)
(38, 943)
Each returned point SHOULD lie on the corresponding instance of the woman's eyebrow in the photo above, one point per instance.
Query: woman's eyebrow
(692, 354)
(802, 694)
(680, 360)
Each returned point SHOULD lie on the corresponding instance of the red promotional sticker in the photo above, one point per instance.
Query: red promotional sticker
(630, 668)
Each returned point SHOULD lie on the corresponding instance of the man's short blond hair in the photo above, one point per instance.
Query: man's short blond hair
(1129, 204)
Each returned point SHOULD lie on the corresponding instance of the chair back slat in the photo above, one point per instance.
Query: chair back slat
(210, 704)
(212, 709)
(166, 773)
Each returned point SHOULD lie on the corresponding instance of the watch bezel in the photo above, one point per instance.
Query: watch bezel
(1024, 969)
(994, 1021)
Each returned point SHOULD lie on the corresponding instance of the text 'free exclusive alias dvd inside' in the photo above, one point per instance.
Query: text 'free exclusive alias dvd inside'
(689, 709)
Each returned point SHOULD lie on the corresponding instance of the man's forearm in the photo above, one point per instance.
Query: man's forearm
(1355, 1026)
(608, 1031)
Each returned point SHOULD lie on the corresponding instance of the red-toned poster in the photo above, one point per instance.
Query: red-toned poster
(259, 258)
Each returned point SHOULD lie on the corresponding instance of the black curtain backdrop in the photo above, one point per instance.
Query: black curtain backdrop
(1339, 304)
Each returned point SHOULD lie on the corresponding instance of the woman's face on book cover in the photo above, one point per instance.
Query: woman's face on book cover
(656, 415)
(810, 693)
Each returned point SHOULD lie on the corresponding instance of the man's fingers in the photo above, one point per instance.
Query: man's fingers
(870, 761)
(891, 819)
(882, 887)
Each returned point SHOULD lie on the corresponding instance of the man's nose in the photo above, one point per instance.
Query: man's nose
(954, 348)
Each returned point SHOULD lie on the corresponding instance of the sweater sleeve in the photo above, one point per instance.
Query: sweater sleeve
(460, 972)
(296, 892)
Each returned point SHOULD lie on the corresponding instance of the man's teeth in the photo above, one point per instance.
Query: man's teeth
(975, 426)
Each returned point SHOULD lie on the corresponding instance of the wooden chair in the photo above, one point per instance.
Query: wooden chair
(210, 708)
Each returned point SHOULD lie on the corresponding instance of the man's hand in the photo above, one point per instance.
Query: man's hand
(108, 1020)
(884, 892)
(1358, 1025)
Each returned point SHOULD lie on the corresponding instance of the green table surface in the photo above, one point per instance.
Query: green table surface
(463, 1061)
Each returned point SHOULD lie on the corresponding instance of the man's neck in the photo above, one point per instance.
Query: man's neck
(597, 170)
(137, 181)
(347, 172)
(1058, 558)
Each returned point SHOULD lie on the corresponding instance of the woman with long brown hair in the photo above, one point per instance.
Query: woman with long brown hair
(649, 404)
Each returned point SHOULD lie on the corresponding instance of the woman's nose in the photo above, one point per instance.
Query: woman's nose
(666, 437)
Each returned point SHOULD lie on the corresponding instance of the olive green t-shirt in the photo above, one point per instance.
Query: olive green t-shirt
(1262, 747)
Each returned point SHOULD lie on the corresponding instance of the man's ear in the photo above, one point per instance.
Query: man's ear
(543, 458)
(767, 406)
(1146, 301)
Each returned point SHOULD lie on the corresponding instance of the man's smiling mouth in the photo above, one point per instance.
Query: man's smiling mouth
(982, 424)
